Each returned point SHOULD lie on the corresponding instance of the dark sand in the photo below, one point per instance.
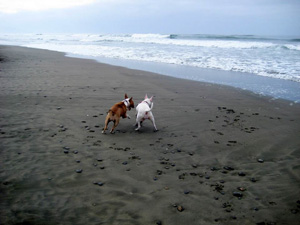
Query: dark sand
(212, 141)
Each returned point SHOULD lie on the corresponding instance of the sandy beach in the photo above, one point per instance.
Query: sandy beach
(221, 155)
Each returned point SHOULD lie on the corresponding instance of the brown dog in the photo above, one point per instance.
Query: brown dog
(117, 111)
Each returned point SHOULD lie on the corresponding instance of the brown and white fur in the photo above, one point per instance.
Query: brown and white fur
(143, 110)
(117, 111)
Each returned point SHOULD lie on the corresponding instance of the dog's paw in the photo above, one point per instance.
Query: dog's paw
(155, 130)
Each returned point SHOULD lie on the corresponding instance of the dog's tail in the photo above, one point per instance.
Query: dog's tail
(150, 108)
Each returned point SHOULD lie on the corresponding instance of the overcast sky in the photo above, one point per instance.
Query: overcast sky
(262, 17)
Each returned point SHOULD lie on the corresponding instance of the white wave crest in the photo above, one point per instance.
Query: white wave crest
(274, 59)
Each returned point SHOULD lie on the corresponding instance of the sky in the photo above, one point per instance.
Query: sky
(257, 17)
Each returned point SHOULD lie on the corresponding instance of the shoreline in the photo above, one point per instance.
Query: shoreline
(263, 85)
(260, 85)
(222, 155)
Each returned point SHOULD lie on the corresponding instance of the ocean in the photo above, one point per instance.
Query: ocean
(267, 65)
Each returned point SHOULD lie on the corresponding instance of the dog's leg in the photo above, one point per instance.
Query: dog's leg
(135, 120)
(139, 125)
(116, 122)
(107, 120)
(153, 121)
(138, 121)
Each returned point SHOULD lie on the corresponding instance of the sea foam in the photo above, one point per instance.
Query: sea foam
(274, 57)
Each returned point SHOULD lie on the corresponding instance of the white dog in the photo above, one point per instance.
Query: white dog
(143, 112)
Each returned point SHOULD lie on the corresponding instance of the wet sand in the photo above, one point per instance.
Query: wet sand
(221, 155)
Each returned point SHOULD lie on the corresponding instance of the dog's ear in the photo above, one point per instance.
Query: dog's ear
(146, 96)
(151, 98)
(126, 96)
(130, 99)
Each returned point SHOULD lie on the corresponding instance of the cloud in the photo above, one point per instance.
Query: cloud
(151, 16)
(15, 6)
